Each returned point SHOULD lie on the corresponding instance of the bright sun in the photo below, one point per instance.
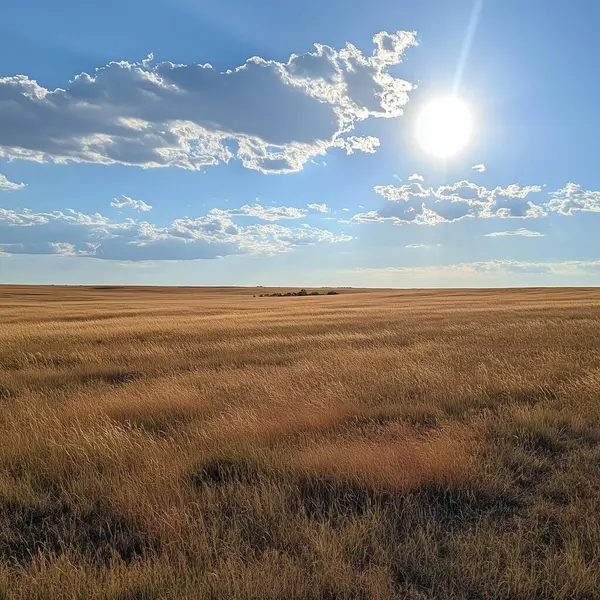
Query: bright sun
(444, 127)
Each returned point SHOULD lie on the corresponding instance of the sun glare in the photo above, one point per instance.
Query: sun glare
(444, 127)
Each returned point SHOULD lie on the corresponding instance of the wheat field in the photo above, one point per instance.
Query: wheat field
(191, 443)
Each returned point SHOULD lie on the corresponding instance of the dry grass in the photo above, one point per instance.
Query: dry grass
(204, 443)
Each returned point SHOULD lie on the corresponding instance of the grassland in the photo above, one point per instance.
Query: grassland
(205, 443)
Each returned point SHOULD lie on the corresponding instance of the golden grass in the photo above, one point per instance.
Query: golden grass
(396, 458)
(205, 443)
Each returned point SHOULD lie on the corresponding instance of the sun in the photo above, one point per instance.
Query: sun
(444, 127)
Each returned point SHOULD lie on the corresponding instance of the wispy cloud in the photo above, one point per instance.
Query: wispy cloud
(323, 208)
(416, 177)
(62, 248)
(492, 268)
(127, 202)
(272, 116)
(264, 213)
(518, 232)
(9, 186)
(480, 168)
(415, 246)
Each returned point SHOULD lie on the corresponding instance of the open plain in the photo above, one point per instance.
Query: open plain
(185, 443)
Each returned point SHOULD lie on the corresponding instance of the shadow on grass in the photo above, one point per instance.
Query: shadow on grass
(223, 470)
(115, 377)
(56, 527)
(334, 500)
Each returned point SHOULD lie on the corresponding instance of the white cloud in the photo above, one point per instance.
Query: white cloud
(346, 209)
(127, 202)
(63, 248)
(371, 216)
(210, 236)
(403, 192)
(573, 198)
(519, 232)
(352, 144)
(415, 246)
(516, 191)
(480, 168)
(264, 213)
(429, 217)
(323, 208)
(491, 268)
(415, 203)
(416, 177)
(9, 186)
(272, 116)
(463, 190)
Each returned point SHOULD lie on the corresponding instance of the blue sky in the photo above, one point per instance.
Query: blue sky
(270, 143)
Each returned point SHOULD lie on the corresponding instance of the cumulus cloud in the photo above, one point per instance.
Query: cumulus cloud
(9, 186)
(573, 198)
(209, 236)
(403, 192)
(127, 202)
(480, 168)
(323, 208)
(519, 232)
(415, 203)
(272, 116)
(416, 177)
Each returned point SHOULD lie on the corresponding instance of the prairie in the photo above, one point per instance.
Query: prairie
(184, 443)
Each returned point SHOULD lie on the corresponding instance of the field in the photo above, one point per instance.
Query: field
(190, 443)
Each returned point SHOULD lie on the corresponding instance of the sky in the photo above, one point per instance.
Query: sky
(183, 142)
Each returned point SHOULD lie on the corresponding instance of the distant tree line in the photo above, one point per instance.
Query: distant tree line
(302, 292)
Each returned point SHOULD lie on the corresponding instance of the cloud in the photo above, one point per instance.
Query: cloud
(209, 236)
(415, 203)
(492, 268)
(520, 232)
(352, 144)
(127, 202)
(346, 209)
(63, 248)
(403, 192)
(272, 116)
(319, 207)
(573, 198)
(512, 201)
(416, 177)
(264, 213)
(415, 246)
(9, 186)
(480, 168)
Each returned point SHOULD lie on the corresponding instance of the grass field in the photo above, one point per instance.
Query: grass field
(204, 443)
